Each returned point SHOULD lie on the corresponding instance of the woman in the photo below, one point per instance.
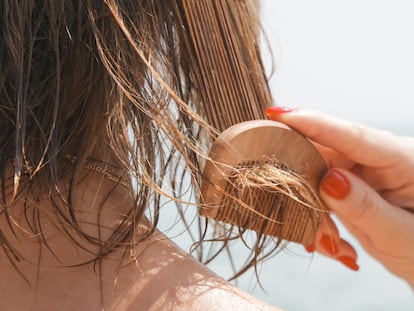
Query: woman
(97, 104)
(78, 80)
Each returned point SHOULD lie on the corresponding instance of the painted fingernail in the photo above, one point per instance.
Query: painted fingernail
(349, 262)
(329, 245)
(310, 248)
(335, 184)
(274, 112)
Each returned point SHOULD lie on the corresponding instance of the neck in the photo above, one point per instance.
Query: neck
(49, 256)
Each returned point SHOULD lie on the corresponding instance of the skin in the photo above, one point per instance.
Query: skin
(379, 204)
(163, 277)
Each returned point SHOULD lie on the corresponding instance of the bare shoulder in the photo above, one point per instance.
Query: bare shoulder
(165, 278)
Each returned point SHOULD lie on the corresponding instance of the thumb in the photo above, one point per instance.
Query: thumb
(360, 206)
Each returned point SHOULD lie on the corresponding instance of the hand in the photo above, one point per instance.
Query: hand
(370, 187)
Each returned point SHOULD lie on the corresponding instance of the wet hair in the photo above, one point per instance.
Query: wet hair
(150, 84)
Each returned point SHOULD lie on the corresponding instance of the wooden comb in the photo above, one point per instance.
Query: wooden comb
(253, 143)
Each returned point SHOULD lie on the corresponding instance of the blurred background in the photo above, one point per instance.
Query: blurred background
(353, 59)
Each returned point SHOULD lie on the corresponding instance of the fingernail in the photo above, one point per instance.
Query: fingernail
(335, 184)
(310, 248)
(274, 112)
(349, 262)
(329, 245)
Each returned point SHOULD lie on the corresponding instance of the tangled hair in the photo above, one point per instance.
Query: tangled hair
(149, 83)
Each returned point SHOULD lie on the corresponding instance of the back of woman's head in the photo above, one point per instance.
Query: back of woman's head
(56, 90)
(138, 84)
(72, 87)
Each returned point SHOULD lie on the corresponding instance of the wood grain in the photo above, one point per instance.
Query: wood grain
(257, 141)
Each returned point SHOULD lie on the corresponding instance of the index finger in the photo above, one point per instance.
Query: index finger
(357, 142)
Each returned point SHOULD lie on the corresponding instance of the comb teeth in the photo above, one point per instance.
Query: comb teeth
(264, 176)
(266, 211)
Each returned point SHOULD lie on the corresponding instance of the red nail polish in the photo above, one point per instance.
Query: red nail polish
(335, 184)
(274, 112)
(349, 262)
(310, 248)
(329, 245)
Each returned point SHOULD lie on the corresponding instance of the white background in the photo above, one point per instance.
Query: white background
(353, 58)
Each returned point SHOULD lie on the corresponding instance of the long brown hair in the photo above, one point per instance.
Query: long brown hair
(148, 82)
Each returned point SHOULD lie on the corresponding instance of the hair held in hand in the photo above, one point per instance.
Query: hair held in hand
(153, 84)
